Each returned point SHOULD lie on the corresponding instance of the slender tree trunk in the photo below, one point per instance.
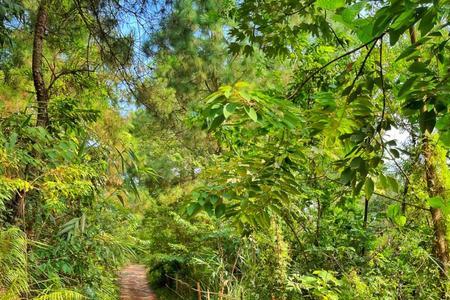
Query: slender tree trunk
(434, 188)
(199, 291)
(365, 221)
(319, 213)
(366, 212)
(38, 76)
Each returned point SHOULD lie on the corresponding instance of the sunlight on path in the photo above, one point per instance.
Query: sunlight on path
(133, 284)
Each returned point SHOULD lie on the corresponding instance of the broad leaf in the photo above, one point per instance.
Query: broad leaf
(330, 4)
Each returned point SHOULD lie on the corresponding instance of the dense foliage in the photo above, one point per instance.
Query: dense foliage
(255, 149)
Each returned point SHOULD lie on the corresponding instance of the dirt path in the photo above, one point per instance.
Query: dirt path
(133, 284)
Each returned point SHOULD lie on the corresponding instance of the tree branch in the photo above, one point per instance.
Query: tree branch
(308, 78)
(67, 72)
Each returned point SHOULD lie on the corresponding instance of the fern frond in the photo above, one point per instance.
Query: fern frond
(13, 263)
(61, 295)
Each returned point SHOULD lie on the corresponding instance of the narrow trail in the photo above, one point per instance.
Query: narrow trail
(133, 284)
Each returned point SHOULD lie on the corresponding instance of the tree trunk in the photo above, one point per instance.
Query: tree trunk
(38, 76)
(199, 291)
(435, 188)
(365, 221)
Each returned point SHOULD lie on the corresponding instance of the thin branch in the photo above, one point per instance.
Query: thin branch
(381, 195)
(361, 68)
(52, 69)
(288, 223)
(301, 9)
(336, 36)
(401, 201)
(67, 72)
(383, 111)
(302, 84)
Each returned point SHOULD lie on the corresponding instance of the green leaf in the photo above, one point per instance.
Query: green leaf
(427, 22)
(418, 67)
(363, 169)
(66, 268)
(395, 152)
(400, 220)
(228, 110)
(404, 19)
(216, 122)
(436, 202)
(427, 121)
(382, 20)
(358, 188)
(356, 163)
(394, 36)
(369, 188)
(214, 199)
(214, 96)
(346, 176)
(443, 123)
(445, 138)
(383, 181)
(349, 13)
(393, 184)
(393, 211)
(407, 52)
(226, 90)
(263, 219)
(220, 210)
(252, 114)
(202, 201)
(364, 32)
(12, 140)
(208, 207)
(330, 4)
(407, 86)
(375, 161)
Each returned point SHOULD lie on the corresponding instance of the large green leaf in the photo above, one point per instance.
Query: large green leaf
(251, 112)
(436, 202)
(228, 110)
(330, 4)
(369, 188)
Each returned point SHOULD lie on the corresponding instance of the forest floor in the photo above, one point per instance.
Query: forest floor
(134, 285)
